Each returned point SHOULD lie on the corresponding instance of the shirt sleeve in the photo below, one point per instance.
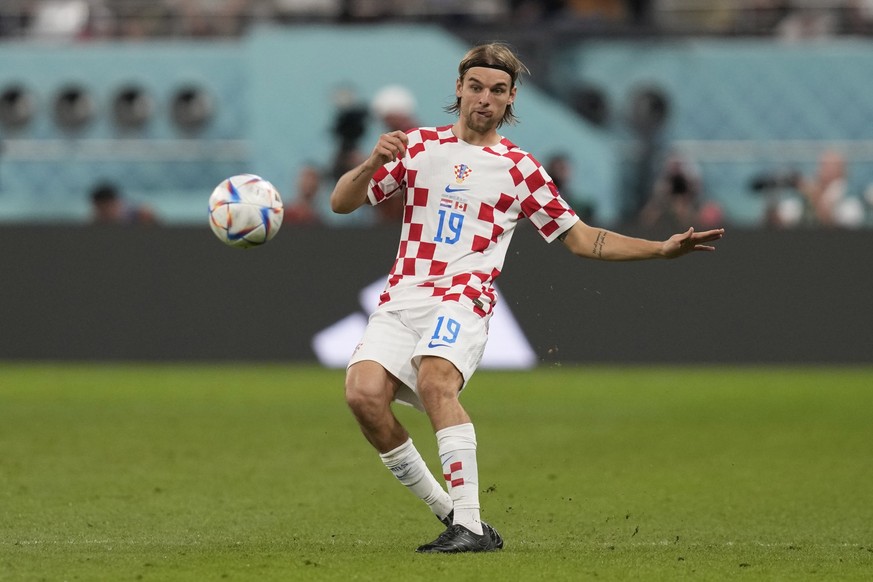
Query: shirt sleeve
(542, 203)
(388, 181)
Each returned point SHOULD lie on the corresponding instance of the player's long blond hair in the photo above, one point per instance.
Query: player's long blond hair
(495, 55)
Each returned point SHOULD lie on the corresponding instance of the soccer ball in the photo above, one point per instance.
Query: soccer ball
(245, 211)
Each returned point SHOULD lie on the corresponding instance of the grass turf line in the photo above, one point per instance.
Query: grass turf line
(177, 472)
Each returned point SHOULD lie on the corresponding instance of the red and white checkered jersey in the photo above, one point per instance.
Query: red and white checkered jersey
(462, 204)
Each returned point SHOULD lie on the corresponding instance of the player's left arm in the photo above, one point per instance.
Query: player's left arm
(598, 243)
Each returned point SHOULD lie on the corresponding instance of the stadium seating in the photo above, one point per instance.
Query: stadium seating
(738, 108)
(743, 108)
(273, 98)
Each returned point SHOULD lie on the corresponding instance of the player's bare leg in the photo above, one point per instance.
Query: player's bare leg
(439, 385)
(370, 389)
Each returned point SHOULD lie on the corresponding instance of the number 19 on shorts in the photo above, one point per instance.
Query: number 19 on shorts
(445, 333)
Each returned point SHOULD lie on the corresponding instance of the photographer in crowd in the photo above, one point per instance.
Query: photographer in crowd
(820, 200)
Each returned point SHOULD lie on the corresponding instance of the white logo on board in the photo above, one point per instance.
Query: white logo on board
(507, 346)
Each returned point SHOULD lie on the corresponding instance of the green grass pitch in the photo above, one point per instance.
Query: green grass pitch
(258, 472)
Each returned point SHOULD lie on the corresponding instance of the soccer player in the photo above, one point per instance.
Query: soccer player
(465, 189)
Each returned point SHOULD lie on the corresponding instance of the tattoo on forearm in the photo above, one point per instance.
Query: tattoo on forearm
(598, 244)
(359, 174)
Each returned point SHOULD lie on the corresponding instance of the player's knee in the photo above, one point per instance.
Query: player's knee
(433, 390)
(438, 380)
(357, 398)
(366, 399)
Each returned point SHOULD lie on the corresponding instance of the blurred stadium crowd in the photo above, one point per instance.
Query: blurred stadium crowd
(84, 19)
(782, 165)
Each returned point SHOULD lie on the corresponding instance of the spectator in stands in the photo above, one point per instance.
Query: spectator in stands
(213, 18)
(349, 125)
(639, 12)
(805, 24)
(302, 209)
(675, 195)
(60, 19)
(16, 19)
(820, 200)
(533, 11)
(826, 197)
(859, 17)
(761, 17)
(109, 207)
(824, 191)
(394, 106)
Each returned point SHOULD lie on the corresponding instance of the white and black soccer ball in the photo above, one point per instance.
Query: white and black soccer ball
(245, 211)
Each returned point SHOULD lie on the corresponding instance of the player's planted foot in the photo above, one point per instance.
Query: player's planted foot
(486, 529)
(492, 533)
(457, 539)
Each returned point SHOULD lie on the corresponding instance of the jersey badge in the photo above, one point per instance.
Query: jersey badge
(461, 173)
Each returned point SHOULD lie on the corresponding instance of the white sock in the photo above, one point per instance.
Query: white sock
(411, 470)
(457, 446)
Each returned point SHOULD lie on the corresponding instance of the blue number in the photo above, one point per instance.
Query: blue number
(453, 328)
(439, 234)
(454, 223)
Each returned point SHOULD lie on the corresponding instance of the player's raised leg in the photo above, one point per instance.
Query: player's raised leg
(370, 389)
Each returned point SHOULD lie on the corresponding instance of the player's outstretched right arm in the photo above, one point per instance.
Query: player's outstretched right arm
(350, 192)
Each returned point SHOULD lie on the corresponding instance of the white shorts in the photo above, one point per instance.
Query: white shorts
(399, 339)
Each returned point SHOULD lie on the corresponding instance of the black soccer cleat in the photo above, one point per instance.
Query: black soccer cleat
(457, 539)
(495, 537)
(486, 528)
